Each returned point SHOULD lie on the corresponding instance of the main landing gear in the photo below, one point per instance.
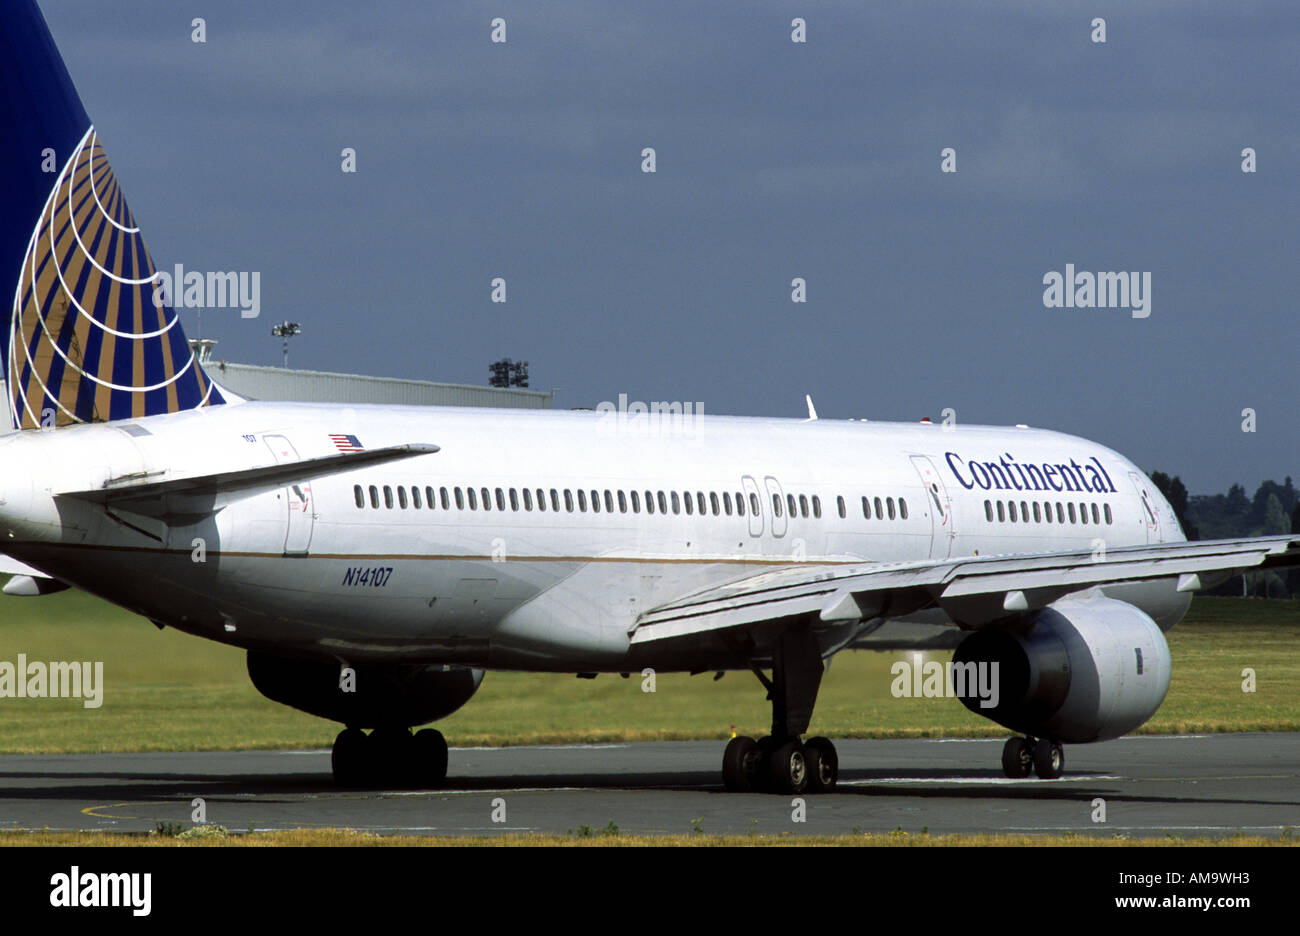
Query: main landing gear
(1020, 756)
(390, 756)
(780, 762)
(771, 765)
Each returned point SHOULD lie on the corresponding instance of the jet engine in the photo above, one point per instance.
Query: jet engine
(1086, 668)
(373, 695)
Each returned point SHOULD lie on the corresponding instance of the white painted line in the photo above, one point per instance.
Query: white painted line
(547, 747)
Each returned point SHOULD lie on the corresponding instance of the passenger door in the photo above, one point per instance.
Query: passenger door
(300, 508)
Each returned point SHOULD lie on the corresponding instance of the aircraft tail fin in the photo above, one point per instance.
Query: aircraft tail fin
(84, 333)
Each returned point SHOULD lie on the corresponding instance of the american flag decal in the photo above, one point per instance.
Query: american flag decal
(346, 443)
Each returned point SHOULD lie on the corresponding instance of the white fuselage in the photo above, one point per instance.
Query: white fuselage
(360, 565)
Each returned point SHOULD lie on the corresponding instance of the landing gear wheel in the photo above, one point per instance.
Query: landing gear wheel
(350, 758)
(1049, 760)
(761, 780)
(823, 765)
(392, 755)
(1017, 758)
(428, 758)
(788, 769)
(740, 764)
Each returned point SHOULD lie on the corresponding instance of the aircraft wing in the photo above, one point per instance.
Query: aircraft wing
(972, 590)
(138, 492)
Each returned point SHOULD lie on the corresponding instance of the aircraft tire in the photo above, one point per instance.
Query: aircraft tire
(823, 765)
(1049, 760)
(1017, 758)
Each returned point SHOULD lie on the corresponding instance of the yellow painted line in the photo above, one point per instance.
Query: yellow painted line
(90, 810)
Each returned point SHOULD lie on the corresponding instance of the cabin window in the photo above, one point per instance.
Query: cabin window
(839, 503)
(430, 498)
(1096, 518)
(794, 508)
(622, 502)
(1002, 513)
(401, 497)
(582, 500)
(514, 499)
(472, 498)
(568, 500)
(528, 499)
(880, 514)
(388, 497)
(555, 500)
(1038, 514)
(415, 498)
(776, 505)
(753, 504)
(701, 508)
(487, 498)
(890, 502)
(663, 503)
(902, 509)
(817, 507)
(713, 503)
(677, 506)
(1024, 512)
(636, 502)
(446, 502)
(1011, 511)
(501, 499)
(688, 502)
(1073, 519)
(1108, 516)
(866, 507)
(649, 502)
(359, 495)
(609, 501)
(460, 499)
(988, 511)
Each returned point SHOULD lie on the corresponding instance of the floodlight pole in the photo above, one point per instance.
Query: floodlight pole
(286, 330)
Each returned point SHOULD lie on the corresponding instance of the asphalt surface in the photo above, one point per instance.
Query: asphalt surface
(1151, 786)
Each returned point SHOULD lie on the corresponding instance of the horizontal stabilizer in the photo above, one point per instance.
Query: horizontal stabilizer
(132, 493)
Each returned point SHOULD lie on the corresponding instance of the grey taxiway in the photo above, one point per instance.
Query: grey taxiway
(1142, 786)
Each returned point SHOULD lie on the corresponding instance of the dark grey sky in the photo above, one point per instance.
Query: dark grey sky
(775, 160)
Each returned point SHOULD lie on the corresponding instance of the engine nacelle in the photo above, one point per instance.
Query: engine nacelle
(1085, 669)
(383, 694)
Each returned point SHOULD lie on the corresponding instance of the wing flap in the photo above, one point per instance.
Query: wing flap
(971, 590)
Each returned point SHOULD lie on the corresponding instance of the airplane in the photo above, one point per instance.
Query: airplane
(376, 561)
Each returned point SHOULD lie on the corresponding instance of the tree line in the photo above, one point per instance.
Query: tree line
(1273, 510)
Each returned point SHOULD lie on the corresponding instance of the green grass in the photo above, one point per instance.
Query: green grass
(167, 691)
